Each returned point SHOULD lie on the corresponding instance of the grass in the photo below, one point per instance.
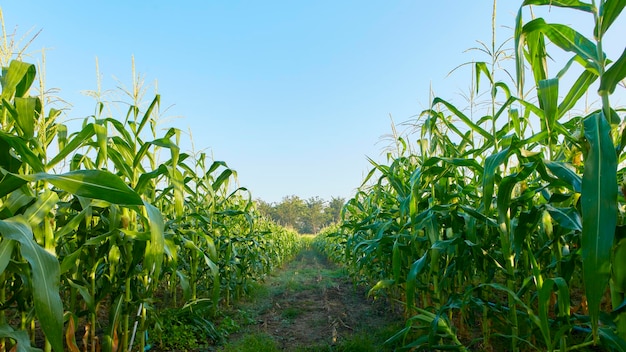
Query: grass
(252, 343)
(310, 305)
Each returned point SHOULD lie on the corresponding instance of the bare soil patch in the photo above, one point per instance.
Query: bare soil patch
(312, 304)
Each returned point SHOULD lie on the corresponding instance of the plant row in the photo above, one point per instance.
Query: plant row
(103, 227)
(502, 227)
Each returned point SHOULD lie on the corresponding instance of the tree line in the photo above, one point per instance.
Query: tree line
(303, 215)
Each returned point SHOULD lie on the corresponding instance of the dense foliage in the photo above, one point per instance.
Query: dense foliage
(305, 216)
(99, 235)
(503, 228)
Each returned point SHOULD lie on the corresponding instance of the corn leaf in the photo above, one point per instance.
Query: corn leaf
(27, 109)
(463, 117)
(548, 94)
(96, 184)
(565, 173)
(567, 218)
(6, 251)
(79, 140)
(156, 248)
(411, 280)
(609, 11)
(36, 213)
(23, 150)
(572, 4)
(21, 338)
(17, 79)
(565, 38)
(613, 75)
(578, 89)
(599, 211)
(491, 165)
(45, 278)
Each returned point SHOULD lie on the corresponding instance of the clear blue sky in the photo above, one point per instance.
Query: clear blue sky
(293, 95)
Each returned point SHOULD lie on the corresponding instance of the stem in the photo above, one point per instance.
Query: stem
(126, 317)
(493, 72)
(194, 268)
(3, 298)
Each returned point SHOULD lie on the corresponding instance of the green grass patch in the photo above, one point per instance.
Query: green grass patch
(291, 313)
(252, 343)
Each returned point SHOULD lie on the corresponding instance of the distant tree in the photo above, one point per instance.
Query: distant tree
(289, 212)
(314, 215)
(308, 216)
(333, 210)
(266, 209)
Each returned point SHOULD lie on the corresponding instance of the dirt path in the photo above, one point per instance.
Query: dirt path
(312, 305)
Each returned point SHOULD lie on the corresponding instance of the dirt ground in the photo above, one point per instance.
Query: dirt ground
(312, 302)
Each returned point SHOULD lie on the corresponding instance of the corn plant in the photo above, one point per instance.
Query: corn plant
(503, 215)
(105, 226)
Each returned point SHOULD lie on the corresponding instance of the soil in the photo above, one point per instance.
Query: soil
(313, 302)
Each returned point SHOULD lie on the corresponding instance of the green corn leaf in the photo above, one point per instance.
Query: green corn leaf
(28, 109)
(6, 251)
(126, 137)
(221, 179)
(84, 293)
(610, 339)
(463, 117)
(18, 199)
(609, 11)
(481, 67)
(519, 51)
(572, 4)
(184, 284)
(69, 261)
(17, 79)
(96, 184)
(9, 183)
(536, 55)
(176, 179)
(121, 165)
(45, 278)
(210, 247)
(613, 75)
(214, 166)
(548, 94)
(567, 218)
(599, 211)
(115, 315)
(23, 150)
(380, 285)
(565, 173)
(37, 212)
(61, 136)
(7, 160)
(161, 142)
(144, 179)
(101, 139)
(479, 216)
(155, 250)
(148, 114)
(566, 38)
(21, 338)
(578, 89)
(491, 165)
(72, 224)
(545, 292)
(396, 261)
(79, 140)
(411, 280)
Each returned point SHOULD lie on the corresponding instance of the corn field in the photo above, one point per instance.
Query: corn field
(102, 234)
(502, 227)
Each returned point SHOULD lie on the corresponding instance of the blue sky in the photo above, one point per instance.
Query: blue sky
(293, 95)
